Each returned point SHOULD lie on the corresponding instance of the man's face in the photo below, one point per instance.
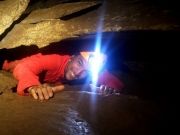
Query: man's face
(76, 68)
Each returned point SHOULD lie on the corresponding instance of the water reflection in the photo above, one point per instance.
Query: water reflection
(75, 125)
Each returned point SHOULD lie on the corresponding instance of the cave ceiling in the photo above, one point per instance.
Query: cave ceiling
(41, 22)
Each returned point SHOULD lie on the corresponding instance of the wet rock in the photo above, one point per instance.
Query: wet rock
(78, 112)
(74, 112)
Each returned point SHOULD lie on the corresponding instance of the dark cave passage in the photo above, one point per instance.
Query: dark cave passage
(145, 56)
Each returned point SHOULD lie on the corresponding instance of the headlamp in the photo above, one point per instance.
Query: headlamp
(96, 62)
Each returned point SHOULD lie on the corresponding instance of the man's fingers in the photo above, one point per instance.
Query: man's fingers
(102, 88)
(111, 90)
(50, 91)
(33, 93)
(117, 92)
(105, 90)
(45, 92)
(40, 94)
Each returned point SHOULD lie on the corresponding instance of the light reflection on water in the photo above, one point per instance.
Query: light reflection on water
(75, 125)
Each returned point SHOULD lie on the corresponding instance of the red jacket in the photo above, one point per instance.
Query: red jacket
(27, 71)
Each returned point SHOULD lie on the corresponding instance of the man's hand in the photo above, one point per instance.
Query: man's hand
(104, 90)
(45, 91)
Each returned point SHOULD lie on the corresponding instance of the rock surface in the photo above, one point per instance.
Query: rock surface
(67, 20)
(10, 11)
(77, 112)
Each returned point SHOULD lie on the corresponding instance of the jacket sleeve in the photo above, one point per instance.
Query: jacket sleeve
(25, 77)
(108, 79)
(27, 71)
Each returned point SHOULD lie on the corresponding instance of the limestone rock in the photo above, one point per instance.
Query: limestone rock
(41, 27)
(57, 11)
(10, 11)
(40, 34)
(56, 23)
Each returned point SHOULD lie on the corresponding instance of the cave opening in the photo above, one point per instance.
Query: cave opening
(140, 58)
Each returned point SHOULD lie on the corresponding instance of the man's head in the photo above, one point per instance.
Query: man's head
(80, 65)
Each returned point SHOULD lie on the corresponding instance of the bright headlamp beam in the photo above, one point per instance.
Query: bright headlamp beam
(96, 66)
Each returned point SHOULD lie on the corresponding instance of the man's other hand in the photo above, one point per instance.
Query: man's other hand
(104, 90)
